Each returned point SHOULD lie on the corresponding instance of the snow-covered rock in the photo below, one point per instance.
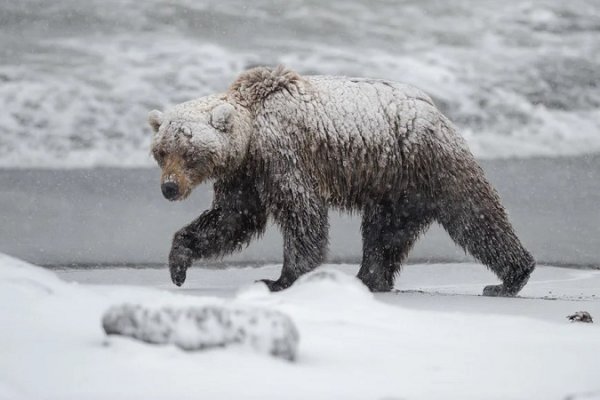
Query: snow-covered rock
(200, 328)
(581, 316)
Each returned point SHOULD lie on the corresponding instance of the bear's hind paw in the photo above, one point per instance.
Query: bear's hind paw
(274, 286)
(377, 285)
(498, 291)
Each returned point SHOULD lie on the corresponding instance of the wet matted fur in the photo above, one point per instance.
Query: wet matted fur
(288, 147)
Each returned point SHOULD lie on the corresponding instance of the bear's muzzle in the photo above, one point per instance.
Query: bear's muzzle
(170, 190)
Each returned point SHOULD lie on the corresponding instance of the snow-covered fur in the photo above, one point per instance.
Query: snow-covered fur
(286, 146)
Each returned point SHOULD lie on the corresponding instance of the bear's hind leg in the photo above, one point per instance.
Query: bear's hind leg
(476, 220)
(389, 231)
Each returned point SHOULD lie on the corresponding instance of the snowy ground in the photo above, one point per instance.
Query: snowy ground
(432, 339)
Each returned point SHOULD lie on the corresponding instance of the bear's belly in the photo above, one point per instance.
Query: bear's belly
(349, 184)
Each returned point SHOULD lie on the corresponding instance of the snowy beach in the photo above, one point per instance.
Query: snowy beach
(432, 338)
(84, 227)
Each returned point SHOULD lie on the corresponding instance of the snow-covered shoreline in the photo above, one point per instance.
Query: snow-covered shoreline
(434, 339)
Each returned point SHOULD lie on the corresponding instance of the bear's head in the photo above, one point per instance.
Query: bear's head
(198, 140)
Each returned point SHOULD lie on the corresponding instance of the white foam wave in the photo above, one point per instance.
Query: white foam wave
(518, 81)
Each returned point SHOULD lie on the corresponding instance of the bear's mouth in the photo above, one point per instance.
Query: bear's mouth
(183, 195)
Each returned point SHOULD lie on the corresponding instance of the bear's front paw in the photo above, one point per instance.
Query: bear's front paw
(275, 286)
(178, 275)
(180, 259)
(497, 291)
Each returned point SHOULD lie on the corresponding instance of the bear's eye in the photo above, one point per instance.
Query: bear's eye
(159, 156)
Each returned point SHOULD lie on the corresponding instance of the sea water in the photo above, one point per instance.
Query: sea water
(77, 78)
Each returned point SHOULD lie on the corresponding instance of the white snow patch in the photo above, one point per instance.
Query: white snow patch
(353, 345)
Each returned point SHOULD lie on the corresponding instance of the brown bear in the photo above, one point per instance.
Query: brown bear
(286, 146)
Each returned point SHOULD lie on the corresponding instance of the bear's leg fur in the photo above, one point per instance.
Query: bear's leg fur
(305, 228)
(472, 214)
(236, 218)
(214, 233)
(389, 231)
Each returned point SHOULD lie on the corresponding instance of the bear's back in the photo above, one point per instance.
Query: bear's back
(371, 110)
(357, 132)
(374, 89)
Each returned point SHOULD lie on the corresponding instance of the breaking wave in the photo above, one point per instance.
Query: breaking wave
(78, 78)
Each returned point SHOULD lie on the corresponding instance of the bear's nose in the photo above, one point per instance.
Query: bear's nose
(170, 190)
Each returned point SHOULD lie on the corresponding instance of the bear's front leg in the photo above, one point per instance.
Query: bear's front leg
(305, 228)
(215, 233)
(180, 259)
(191, 242)
(237, 216)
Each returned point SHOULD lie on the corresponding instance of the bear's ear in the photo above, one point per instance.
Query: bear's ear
(155, 119)
(221, 117)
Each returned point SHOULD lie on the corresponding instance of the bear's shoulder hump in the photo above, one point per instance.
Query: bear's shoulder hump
(256, 84)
